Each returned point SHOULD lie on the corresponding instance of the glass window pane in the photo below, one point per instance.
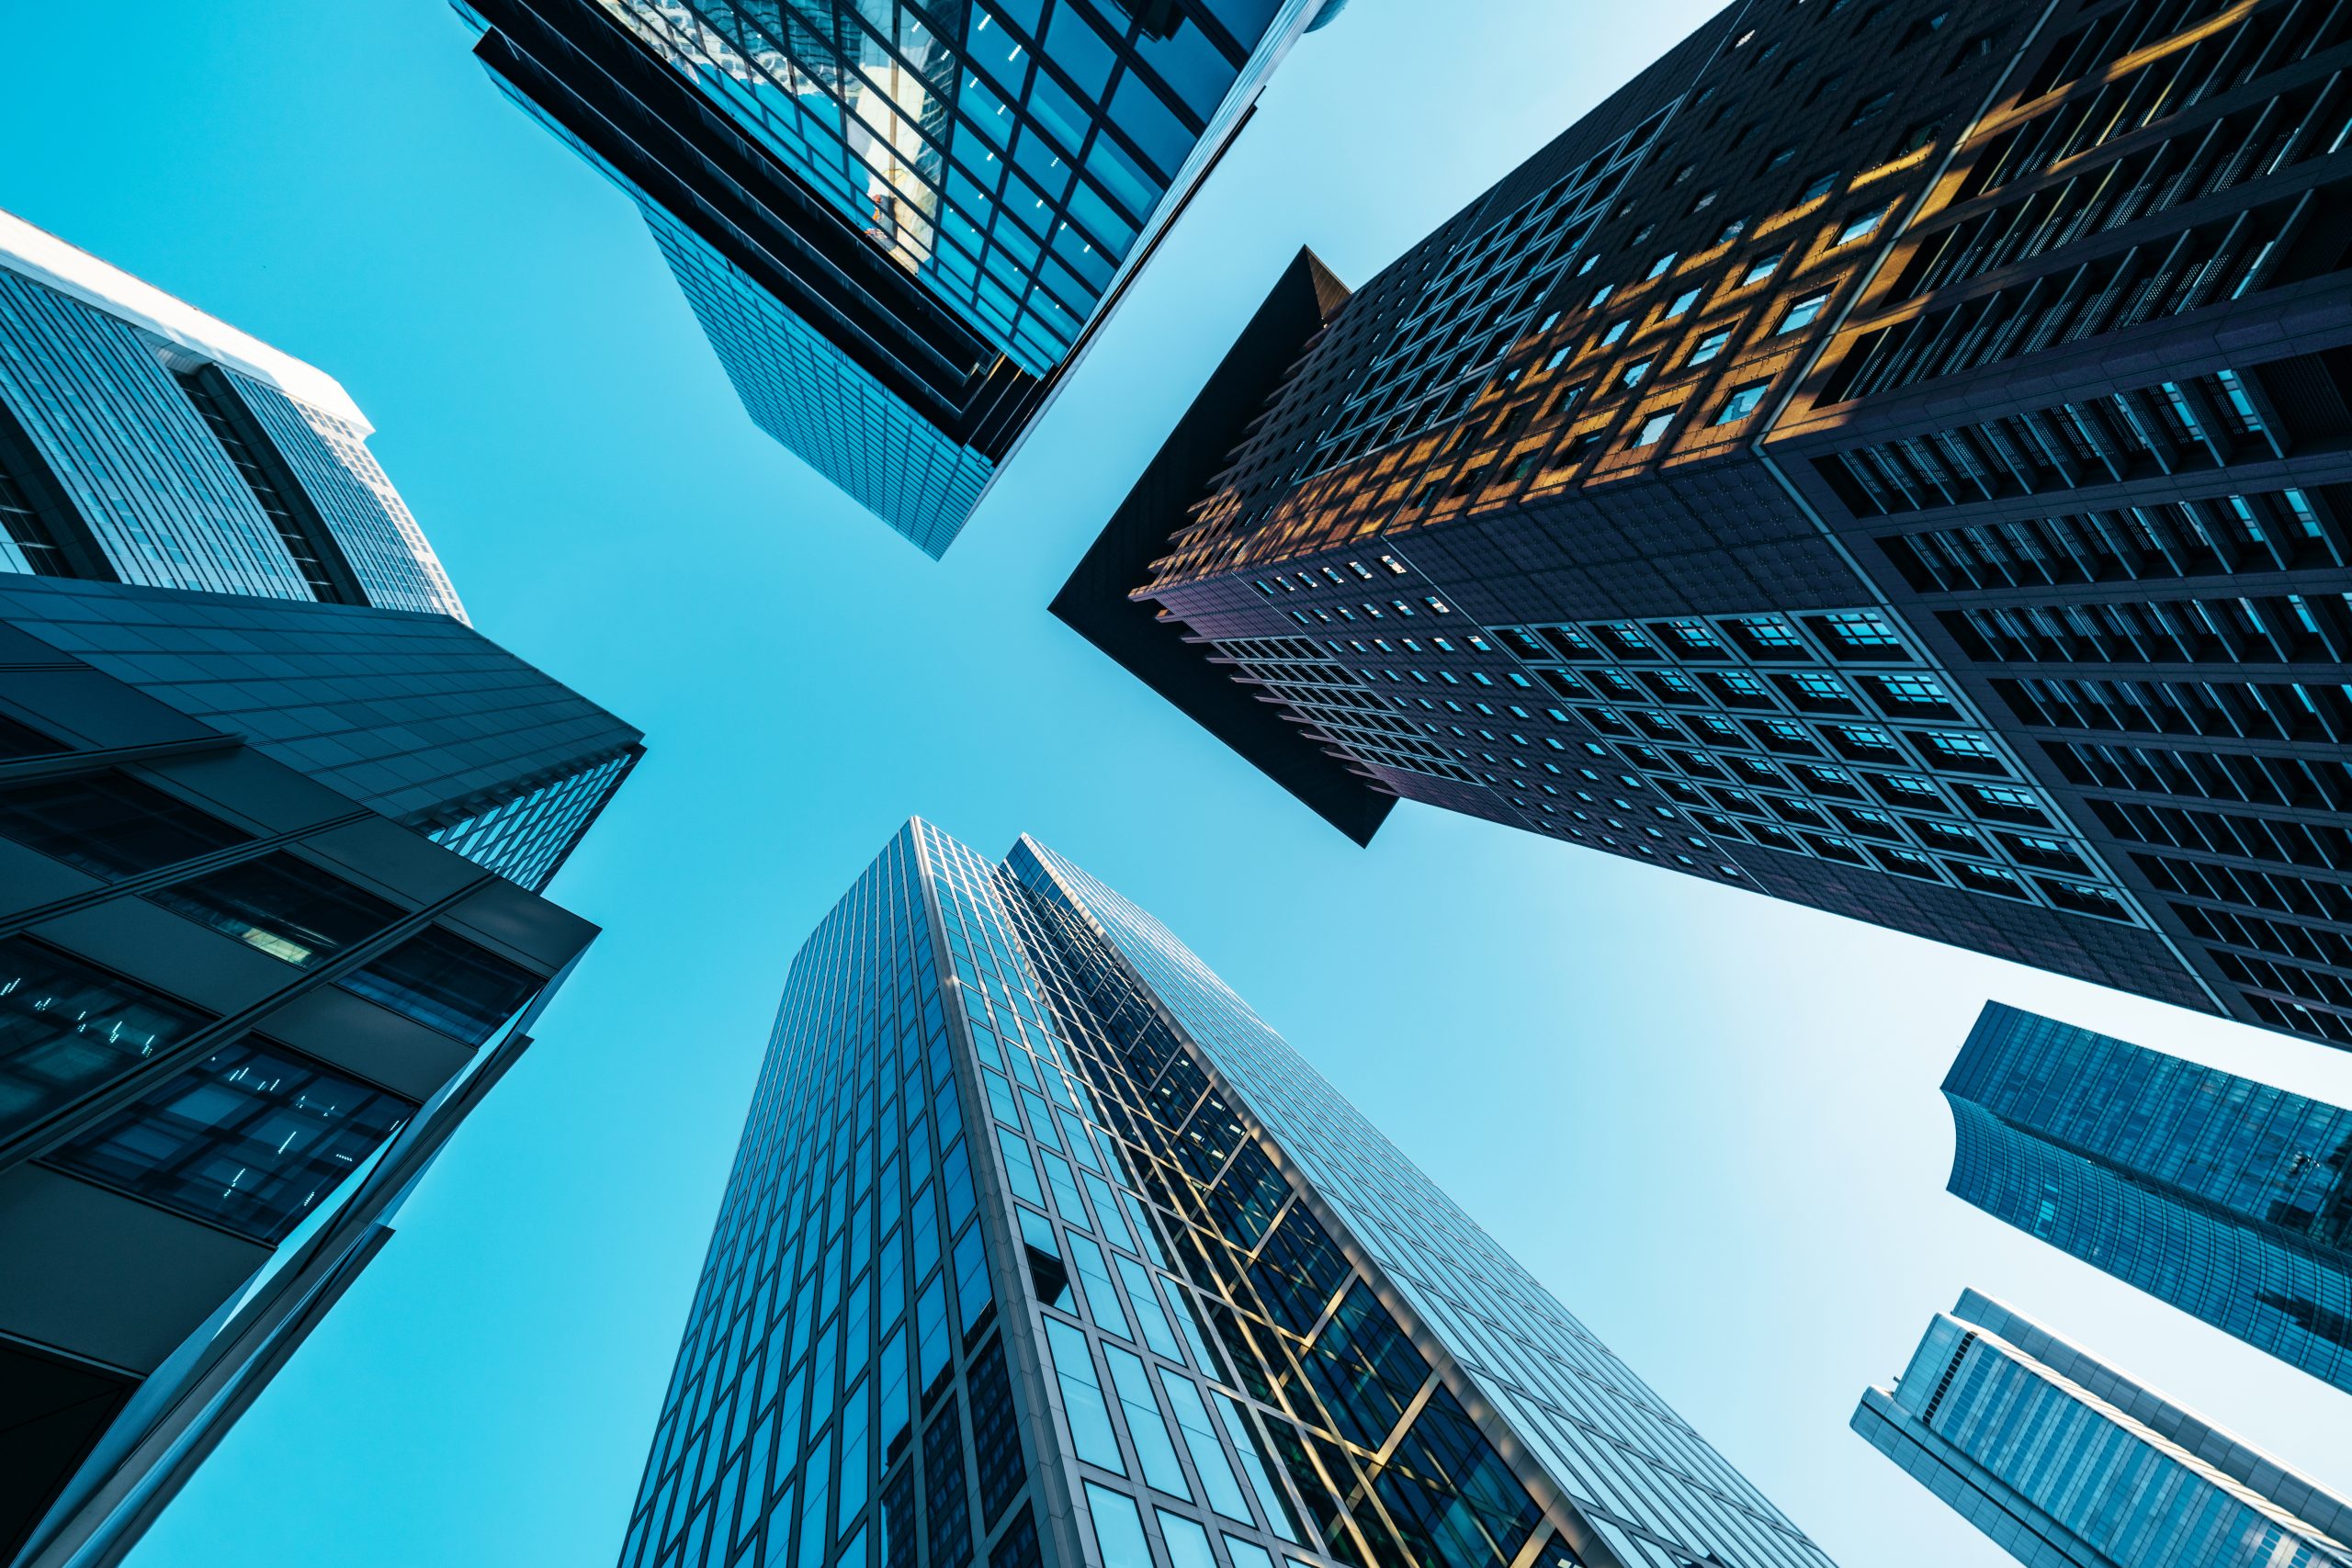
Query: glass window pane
(66, 1028)
(111, 826)
(1082, 1403)
(287, 908)
(445, 983)
(251, 1139)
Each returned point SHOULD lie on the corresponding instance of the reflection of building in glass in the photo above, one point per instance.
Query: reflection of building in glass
(1840, 465)
(1041, 1247)
(2067, 1463)
(245, 994)
(2230, 1199)
(896, 219)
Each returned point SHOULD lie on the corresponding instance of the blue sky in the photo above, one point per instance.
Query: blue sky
(1707, 1120)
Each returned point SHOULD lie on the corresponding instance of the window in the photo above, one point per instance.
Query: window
(1654, 428)
(1869, 109)
(1660, 265)
(1732, 231)
(1632, 374)
(1861, 228)
(1760, 268)
(1742, 403)
(1616, 330)
(1682, 303)
(1804, 313)
(284, 907)
(1082, 1403)
(1600, 296)
(1709, 346)
(1821, 185)
(1776, 159)
(1918, 135)
(111, 826)
(65, 1028)
(251, 1139)
(446, 984)
(1926, 27)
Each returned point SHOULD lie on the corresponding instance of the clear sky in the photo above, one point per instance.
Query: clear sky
(1709, 1121)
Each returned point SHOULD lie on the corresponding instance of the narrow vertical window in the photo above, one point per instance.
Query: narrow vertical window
(308, 542)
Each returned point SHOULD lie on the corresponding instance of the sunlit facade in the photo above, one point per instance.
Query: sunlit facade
(2230, 1199)
(2066, 1463)
(896, 221)
(1041, 1247)
(1887, 458)
(143, 441)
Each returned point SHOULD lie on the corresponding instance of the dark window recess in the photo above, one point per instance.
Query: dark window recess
(1364, 1367)
(111, 826)
(899, 1542)
(445, 983)
(287, 908)
(1246, 1199)
(1298, 1270)
(1455, 1500)
(944, 1495)
(996, 1434)
(1019, 1547)
(251, 1139)
(66, 1028)
(23, 740)
(308, 541)
(37, 518)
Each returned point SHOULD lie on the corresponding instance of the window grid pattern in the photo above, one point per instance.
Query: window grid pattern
(2065, 1462)
(823, 408)
(135, 460)
(1125, 1343)
(2230, 1199)
(1011, 161)
(1282, 1296)
(527, 839)
(846, 1302)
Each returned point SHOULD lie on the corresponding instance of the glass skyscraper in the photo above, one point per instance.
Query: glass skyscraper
(273, 824)
(1041, 1247)
(2228, 1198)
(896, 219)
(2067, 1463)
(1886, 456)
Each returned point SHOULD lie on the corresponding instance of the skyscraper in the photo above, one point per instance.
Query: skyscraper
(144, 441)
(897, 220)
(269, 871)
(1041, 1247)
(2067, 1463)
(1886, 456)
(2230, 1199)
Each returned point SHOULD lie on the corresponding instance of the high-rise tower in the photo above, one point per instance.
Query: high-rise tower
(2228, 1198)
(1887, 456)
(897, 220)
(1042, 1247)
(2067, 1463)
(274, 823)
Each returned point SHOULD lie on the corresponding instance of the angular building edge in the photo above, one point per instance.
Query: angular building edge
(1098, 602)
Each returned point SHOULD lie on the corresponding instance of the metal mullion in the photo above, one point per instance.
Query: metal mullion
(67, 765)
(119, 1093)
(177, 871)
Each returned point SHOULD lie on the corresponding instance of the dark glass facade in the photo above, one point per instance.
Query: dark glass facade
(896, 221)
(1885, 457)
(1041, 1247)
(2064, 1462)
(2228, 1198)
(245, 995)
